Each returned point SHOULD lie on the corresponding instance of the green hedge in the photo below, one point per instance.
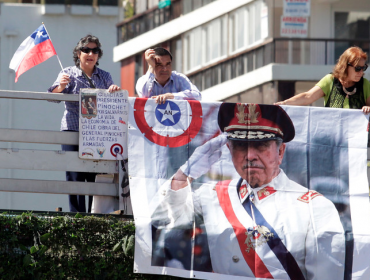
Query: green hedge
(34, 246)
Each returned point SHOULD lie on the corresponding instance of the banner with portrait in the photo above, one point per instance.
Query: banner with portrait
(309, 222)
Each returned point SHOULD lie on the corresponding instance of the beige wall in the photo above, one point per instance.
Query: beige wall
(268, 94)
(264, 94)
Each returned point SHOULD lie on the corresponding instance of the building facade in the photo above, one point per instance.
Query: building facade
(242, 50)
(66, 23)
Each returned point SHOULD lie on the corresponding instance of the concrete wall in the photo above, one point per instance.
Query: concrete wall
(66, 25)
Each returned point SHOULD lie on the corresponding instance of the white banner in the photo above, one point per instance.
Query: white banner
(103, 124)
(309, 222)
(297, 8)
(294, 27)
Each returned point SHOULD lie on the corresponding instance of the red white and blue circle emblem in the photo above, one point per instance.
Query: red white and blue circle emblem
(116, 149)
(170, 124)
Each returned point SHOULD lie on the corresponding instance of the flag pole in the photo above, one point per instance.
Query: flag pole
(53, 45)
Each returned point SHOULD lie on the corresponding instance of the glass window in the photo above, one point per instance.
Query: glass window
(140, 6)
(224, 36)
(240, 28)
(237, 29)
(215, 39)
(186, 6)
(152, 3)
(197, 4)
(193, 52)
(257, 25)
(207, 44)
(176, 50)
(186, 58)
(196, 48)
(251, 26)
(139, 69)
(351, 25)
(232, 32)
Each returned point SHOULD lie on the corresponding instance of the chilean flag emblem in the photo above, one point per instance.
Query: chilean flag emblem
(34, 50)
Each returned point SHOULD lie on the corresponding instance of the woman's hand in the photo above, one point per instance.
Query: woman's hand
(366, 109)
(64, 81)
(113, 88)
(280, 103)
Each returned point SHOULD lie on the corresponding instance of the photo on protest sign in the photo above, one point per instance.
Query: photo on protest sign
(227, 190)
(88, 104)
(103, 124)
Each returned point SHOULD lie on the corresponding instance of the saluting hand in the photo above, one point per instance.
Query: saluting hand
(149, 57)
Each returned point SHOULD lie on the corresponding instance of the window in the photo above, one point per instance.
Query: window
(351, 25)
(245, 26)
(238, 27)
(223, 36)
(176, 50)
(193, 49)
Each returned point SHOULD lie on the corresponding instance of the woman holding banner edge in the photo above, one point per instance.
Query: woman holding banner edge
(85, 74)
(344, 88)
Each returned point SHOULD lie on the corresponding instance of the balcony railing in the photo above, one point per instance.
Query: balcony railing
(144, 22)
(155, 17)
(279, 50)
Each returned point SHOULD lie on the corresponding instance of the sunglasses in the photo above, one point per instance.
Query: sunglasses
(88, 50)
(359, 68)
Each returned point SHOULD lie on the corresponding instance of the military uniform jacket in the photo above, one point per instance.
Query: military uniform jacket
(305, 223)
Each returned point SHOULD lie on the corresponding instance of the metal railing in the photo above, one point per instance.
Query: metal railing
(144, 22)
(51, 160)
(155, 17)
(308, 51)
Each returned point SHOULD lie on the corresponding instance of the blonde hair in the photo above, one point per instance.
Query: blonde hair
(351, 56)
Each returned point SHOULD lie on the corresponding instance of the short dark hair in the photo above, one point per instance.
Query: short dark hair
(162, 52)
(82, 43)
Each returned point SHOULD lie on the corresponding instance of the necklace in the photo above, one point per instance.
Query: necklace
(349, 92)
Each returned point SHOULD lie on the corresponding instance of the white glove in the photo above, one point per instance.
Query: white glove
(203, 157)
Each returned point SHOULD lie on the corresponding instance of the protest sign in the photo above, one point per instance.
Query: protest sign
(103, 124)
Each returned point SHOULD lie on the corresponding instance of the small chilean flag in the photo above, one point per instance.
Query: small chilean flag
(35, 49)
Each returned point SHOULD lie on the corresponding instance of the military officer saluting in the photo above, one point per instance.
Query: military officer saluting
(263, 224)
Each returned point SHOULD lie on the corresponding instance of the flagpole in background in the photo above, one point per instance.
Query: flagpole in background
(52, 42)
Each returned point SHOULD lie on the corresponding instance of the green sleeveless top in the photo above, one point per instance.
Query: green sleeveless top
(335, 97)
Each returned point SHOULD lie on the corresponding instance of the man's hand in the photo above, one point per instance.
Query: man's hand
(113, 88)
(161, 99)
(149, 57)
(204, 157)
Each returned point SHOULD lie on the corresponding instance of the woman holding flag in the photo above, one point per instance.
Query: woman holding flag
(85, 74)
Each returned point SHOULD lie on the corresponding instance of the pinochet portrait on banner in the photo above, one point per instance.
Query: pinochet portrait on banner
(262, 224)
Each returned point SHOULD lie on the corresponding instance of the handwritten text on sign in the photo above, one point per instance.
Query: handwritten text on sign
(103, 124)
